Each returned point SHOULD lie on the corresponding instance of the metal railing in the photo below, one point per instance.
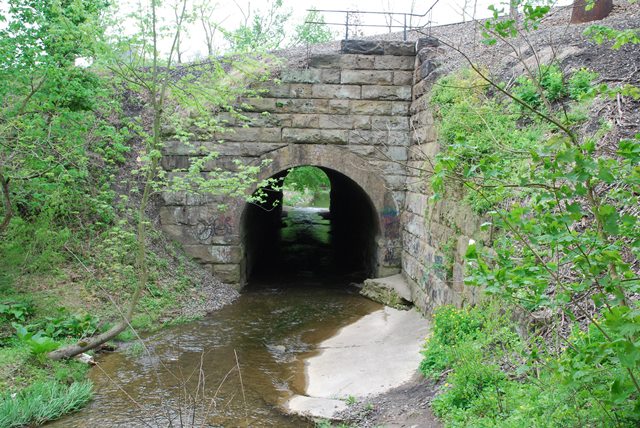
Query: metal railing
(396, 19)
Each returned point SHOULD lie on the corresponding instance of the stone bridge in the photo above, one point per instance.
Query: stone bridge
(362, 117)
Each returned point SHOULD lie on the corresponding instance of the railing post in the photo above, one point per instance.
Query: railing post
(346, 27)
(405, 28)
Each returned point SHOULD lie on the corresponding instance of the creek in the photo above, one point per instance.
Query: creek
(190, 372)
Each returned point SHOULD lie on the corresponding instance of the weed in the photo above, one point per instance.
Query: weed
(67, 325)
(493, 378)
(136, 349)
(351, 400)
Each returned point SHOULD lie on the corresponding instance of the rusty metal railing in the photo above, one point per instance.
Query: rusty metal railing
(396, 19)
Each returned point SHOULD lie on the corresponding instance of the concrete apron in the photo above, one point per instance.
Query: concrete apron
(373, 355)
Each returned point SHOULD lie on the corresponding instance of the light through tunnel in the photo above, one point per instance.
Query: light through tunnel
(314, 223)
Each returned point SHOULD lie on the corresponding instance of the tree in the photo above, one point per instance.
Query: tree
(313, 30)
(46, 101)
(205, 15)
(307, 178)
(182, 21)
(184, 100)
(155, 83)
(260, 31)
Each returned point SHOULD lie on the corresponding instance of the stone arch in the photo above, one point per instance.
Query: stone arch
(340, 164)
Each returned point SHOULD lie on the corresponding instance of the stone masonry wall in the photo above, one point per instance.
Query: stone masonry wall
(435, 235)
(363, 113)
(347, 112)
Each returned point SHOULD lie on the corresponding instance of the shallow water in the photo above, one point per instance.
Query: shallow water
(188, 375)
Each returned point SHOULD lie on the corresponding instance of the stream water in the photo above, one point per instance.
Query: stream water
(188, 374)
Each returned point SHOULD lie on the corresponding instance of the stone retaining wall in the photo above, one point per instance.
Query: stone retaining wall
(435, 235)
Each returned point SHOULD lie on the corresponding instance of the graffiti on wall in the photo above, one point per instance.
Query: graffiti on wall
(391, 254)
(219, 226)
(390, 223)
(391, 231)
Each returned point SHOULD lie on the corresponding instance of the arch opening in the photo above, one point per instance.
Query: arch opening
(285, 238)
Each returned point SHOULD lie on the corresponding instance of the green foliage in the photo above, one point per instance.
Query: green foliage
(66, 325)
(36, 246)
(581, 84)
(495, 378)
(564, 242)
(306, 178)
(500, 27)
(51, 132)
(38, 343)
(548, 83)
(600, 34)
(264, 31)
(306, 186)
(481, 138)
(452, 325)
(552, 81)
(313, 30)
(15, 312)
(41, 402)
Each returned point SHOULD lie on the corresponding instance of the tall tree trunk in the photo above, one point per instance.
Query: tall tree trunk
(601, 9)
(6, 198)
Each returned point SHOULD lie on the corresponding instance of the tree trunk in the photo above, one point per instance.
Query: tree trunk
(601, 9)
(513, 10)
(6, 197)
(94, 342)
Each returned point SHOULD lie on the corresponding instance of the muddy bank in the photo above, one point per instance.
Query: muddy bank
(404, 406)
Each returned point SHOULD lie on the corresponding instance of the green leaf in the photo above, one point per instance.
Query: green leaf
(629, 355)
(609, 217)
(472, 251)
(605, 175)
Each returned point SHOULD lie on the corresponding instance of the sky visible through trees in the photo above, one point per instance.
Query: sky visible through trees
(229, 16)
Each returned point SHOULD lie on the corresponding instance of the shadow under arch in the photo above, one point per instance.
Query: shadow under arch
(364, 215)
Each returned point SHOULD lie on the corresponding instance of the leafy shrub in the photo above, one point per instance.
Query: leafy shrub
(471, 380)
(481, 138)
(435, 359)
(581, 84)
(41, 402)
(69, 325)
(15, 312)
(552, 81)
(549, 78)
(527, 91)
(452, 325)
(494, 378)
(33, 246)
(50, 330)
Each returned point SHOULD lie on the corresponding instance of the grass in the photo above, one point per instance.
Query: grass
(42, 401)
